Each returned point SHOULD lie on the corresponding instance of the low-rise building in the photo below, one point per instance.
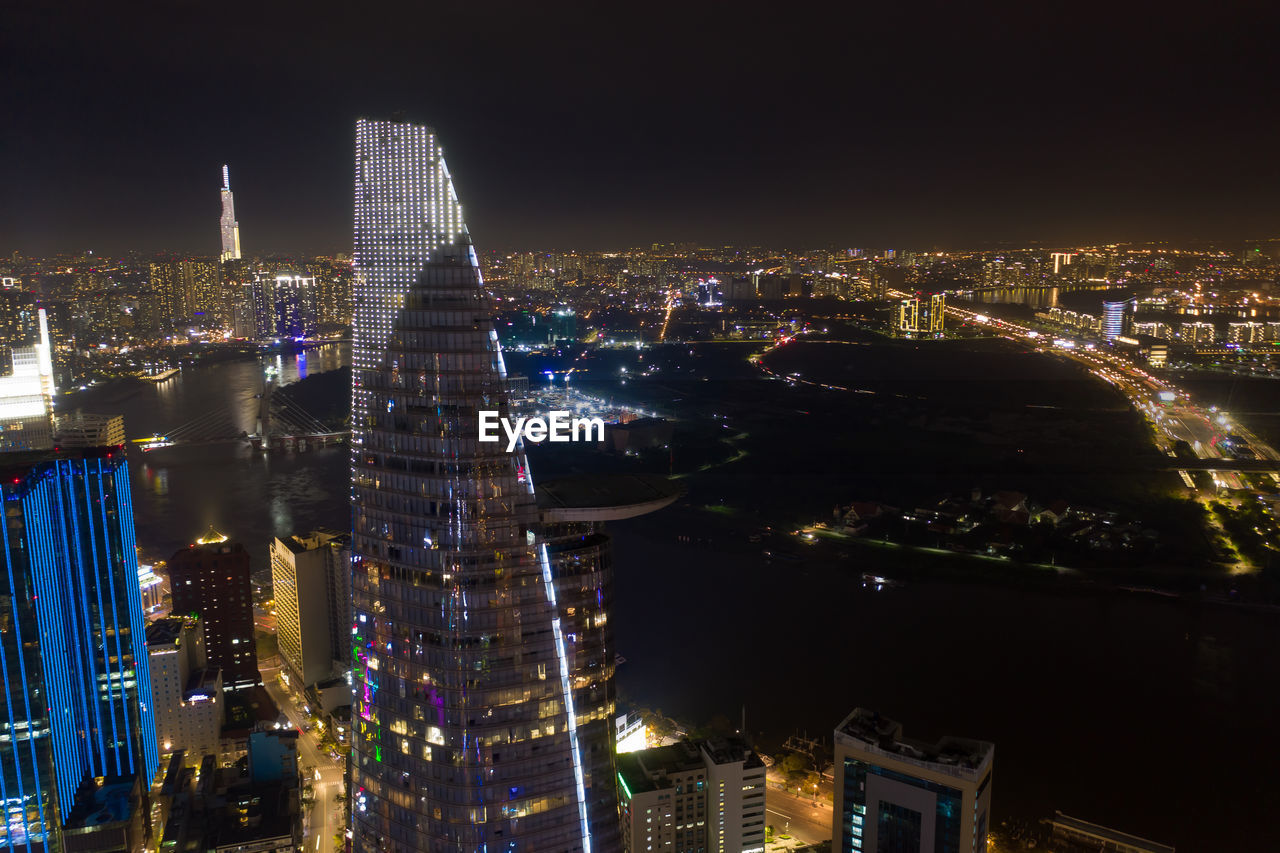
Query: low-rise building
(186, 691)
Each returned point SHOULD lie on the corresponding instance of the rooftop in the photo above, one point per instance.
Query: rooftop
(101, 802)
(650, 769)
(608, 497)
(166, 631)
(1075, 827)
(953, 756)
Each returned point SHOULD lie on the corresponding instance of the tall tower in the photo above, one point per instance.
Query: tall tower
(466, 736)
(77, 725)
(230, 228)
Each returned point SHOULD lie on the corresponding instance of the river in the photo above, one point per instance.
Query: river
(1153, 715)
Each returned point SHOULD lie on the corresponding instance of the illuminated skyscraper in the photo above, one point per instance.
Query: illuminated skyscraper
(466, 736)
(26, 395)
(77, 728)
(230, 228)
(1117, 316)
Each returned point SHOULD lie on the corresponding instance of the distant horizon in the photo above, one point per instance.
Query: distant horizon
(1225, 244)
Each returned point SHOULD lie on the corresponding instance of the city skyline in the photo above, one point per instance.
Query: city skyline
(884, 129)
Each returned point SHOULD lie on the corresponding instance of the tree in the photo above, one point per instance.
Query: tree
(794, 766)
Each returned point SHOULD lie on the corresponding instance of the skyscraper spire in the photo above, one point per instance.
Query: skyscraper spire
(465, 734)
(230, 227)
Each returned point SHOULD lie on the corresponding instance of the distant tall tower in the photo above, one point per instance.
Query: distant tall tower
(230, 228)
(466, 733)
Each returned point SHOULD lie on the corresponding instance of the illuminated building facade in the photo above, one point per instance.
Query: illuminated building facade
(895, 794)
(76, 704)
(26, 396)
(1117, 316)
(405, 209)
(916, 315)
(229, 227)
(465, 732)
(311, 581)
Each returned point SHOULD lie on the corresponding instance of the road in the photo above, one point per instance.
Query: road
(1176, 416)
(797, 816)
(318, 829)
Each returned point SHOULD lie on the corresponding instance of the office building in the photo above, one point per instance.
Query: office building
(229, 227)
(26, 395)
(77, 730)
(465, 732)
(211, 578)
(187, 691)
(311, 580)
(702, 796)
(1117, 316)
(79, 429)
(898, 796)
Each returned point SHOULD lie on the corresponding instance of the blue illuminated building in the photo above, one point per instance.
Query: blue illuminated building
(76, 721)
(1117, 316)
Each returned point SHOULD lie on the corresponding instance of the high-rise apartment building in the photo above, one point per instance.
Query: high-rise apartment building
(311, 581)
(909, 315)
(465, 731)
(704, 796)
(187, 691)
(188, 290)
(899, 796)
(212, 578)
(284, 304)
(77, 730)
(1246, 333)
(1197, 333)
(230, 228)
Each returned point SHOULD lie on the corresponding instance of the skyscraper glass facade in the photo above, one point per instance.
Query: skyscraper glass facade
(465, 735)
(76, 700)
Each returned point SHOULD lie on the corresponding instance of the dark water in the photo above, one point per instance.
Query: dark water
(179, 492)
(1137, 712)
(1153, 715)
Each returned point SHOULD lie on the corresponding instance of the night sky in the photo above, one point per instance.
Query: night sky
(603, 125)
